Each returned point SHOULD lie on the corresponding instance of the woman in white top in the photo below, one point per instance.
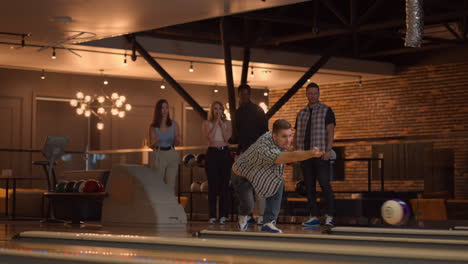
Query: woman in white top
(218, 130)
(164, 135)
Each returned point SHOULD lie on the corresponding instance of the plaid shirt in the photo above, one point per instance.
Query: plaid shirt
(257, 165)
(318, 133)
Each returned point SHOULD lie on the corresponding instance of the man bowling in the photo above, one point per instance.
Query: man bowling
(259, 170)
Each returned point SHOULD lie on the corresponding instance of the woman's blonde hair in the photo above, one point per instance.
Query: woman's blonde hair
(211, 113)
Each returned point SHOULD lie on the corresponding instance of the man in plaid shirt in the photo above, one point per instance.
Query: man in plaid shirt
(259, 171)
(315, 125)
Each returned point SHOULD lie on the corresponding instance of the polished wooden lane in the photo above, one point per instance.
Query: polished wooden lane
(227, 250)
(402, 232)
(338, 239)
(99, 254)
(267, 248)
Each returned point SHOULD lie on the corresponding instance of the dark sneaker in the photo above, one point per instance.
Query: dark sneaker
(270, 227)
(250, 220)
(313, 221)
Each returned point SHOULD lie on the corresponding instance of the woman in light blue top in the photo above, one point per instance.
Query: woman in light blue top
(164, 135)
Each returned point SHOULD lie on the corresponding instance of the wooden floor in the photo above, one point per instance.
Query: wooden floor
(8, 229)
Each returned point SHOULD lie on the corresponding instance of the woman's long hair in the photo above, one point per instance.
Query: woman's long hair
(211, 115)
(157, 117)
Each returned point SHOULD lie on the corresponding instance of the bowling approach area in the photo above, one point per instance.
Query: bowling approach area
(199, 242)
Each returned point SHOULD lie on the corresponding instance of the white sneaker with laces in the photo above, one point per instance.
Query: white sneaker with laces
(243, 222)
(222, 220)
(212, 221)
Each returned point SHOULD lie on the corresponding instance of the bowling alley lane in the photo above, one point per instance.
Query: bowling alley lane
(25, 252)
(196, 250)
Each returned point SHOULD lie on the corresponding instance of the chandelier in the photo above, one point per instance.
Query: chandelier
(100, 105)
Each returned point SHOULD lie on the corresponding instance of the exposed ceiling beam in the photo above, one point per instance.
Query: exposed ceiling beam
(451, 30)
(370, 11)
(327, 54)
(228, 68)
(285, 20)
(335, 11)
(363, 28)
(168, 78)
(408, 50)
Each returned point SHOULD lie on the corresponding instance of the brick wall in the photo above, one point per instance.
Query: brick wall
(418, 104)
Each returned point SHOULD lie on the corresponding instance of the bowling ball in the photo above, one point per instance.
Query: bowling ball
(301, 188)
(195, 186)
(91, 186)
(189, 160)
(81, 187)
(77, 185)
(201, 160)
(204, 187)
(60, 187)
(69, 186)
(395, 212)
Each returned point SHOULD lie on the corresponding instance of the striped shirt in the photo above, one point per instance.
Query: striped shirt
(257, 165)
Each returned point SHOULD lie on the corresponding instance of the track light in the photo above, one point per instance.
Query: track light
(105, 82)
(43, 75)
(191, 67)
(252, 72)
(53, 54)
(265, 93)
(125, 60)
(162, 85)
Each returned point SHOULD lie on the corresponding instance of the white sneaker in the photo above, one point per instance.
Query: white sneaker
(212, 221)
(329, 220)
(222, 220)
(270, 227)
(260, 220)
(243, 222)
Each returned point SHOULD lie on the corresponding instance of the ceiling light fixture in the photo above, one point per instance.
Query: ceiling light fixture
(54, 55)
(100, 105)
(252, 72)
(125, 58)
(43, 75)
(265, 93)
(191, 67)
(162, 85)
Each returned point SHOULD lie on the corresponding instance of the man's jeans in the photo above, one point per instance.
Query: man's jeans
(313, 170)
(245, 192)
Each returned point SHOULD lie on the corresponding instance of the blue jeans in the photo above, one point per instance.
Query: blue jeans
(245, 192)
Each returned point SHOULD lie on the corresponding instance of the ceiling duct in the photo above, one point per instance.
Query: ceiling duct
(414, 23)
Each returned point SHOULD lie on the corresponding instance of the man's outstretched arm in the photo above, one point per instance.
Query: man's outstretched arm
(294, 156)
